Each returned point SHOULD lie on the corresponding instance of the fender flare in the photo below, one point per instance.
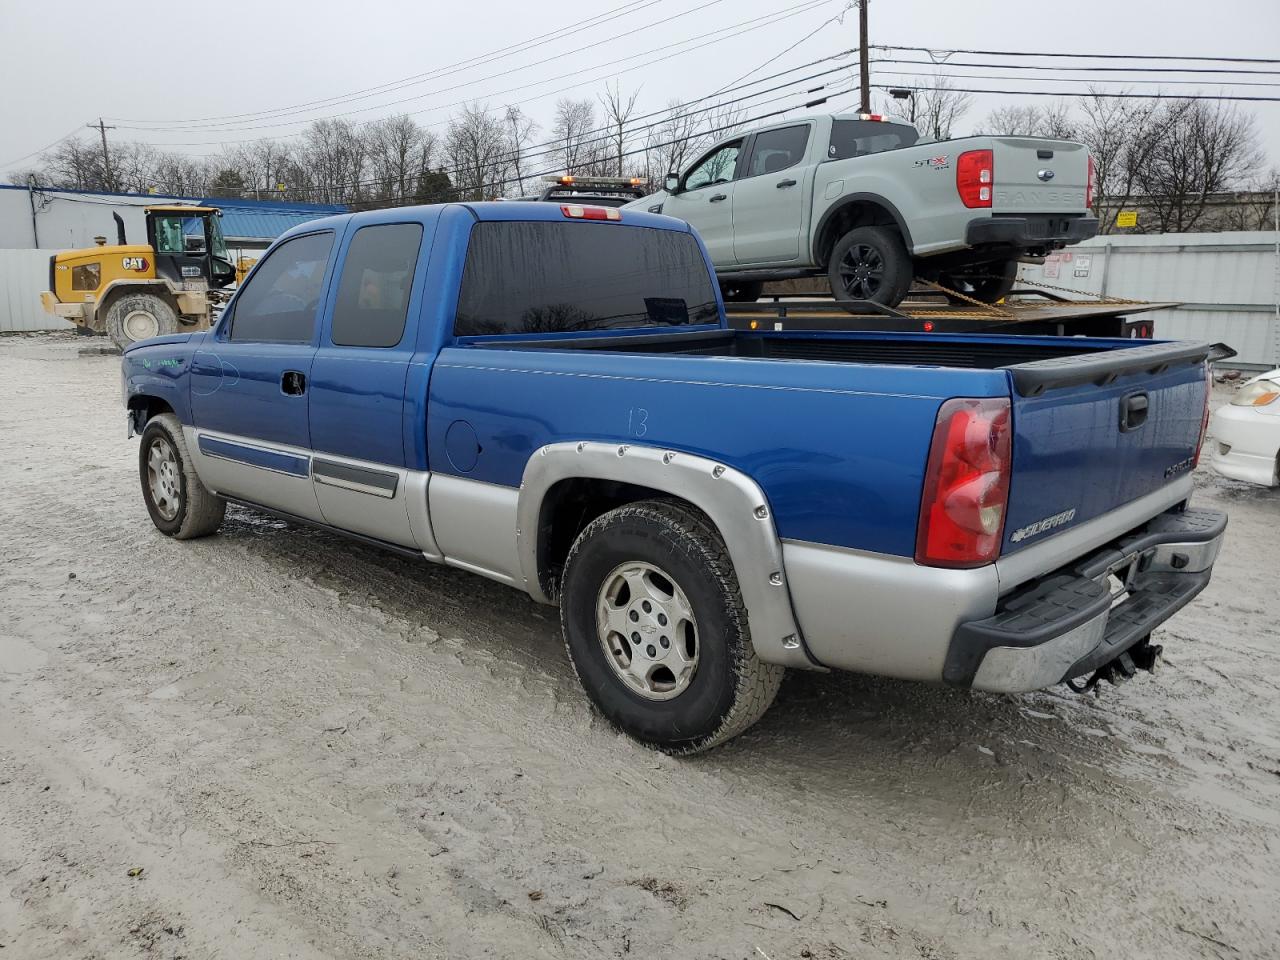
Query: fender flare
(853, 199)
(731, 499)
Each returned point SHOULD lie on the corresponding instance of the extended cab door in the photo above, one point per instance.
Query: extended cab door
(250, 381)
(705, 200)
(357, 407)
(771, 199)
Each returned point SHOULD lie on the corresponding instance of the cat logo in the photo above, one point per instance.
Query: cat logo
(135, 263)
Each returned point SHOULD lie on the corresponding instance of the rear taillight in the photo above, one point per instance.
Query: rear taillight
(1204, 419)
(975, 177)
(1089, 184)
(966, 484)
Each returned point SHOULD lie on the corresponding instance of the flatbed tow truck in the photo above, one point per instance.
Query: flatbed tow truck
(930, 308)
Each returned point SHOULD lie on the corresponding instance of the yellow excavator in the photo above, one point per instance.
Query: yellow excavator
(134, 291)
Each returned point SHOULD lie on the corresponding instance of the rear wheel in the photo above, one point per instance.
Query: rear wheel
(988, 282)
(139, 316)
(747, 291)
(656, 629)
(179, 504)
(870, 264)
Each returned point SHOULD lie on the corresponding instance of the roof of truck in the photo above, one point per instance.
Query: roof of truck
(487, 210)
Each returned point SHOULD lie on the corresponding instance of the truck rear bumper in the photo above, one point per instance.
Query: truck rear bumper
(1074, 621)
(1040, 230)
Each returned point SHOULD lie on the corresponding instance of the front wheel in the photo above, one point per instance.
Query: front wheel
(870, 264)
(179, 503)
(656, 629)
(139, 316)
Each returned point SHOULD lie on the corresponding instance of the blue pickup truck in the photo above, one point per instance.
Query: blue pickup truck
(549, 396)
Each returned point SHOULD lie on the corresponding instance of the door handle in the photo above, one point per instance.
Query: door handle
(1133, 411)
(718, 197)
(785, 183)
(293, 383)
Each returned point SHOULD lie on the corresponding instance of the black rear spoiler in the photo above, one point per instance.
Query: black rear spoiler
(1034, 377)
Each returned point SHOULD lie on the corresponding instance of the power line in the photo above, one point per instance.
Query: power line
(990, 76)
(629, 8)
(1081, 69)
(50, 146)
(774, 17)
(778, 56)
(1087, 94)
(936, 51)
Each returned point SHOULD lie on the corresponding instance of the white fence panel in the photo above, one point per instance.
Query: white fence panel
(23, 275)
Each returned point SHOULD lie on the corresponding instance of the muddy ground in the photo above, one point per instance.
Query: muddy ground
(273, 743)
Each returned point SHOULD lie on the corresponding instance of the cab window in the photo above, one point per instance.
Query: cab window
(170, 235)
(373, 294)
(778, 149)
(858, 138)
(715, 167)
(278, 304)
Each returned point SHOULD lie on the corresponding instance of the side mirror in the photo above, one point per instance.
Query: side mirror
(672, 183)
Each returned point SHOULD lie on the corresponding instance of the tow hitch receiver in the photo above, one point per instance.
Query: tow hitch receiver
(1143, 655)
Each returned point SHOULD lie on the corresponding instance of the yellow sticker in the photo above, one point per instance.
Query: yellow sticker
(1127, 218)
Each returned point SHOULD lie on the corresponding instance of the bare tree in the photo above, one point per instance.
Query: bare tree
(1205, 147)
(1053, 120)
(671, 143)
(934, 107)
(520, 129)
(618, 111)
(478, 152)
(572, 132)
(394, 146)
(1255, 206)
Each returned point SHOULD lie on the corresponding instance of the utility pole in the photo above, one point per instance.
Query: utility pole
(102, 128)
(863, 65)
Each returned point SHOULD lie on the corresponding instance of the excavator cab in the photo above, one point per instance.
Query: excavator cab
(133, 291)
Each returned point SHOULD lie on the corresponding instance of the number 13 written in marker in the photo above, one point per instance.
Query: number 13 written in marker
(637, 421)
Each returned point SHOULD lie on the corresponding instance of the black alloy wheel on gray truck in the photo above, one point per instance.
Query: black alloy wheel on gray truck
(656, 629)
(988, 282)
(745, 291)
(138, 316)
(180, 505)
(870, 264)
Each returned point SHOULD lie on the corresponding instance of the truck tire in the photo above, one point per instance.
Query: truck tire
(988, 282)
(180, 505)
(679, 673)
(870, 263)
(137, 316)
(748, 291)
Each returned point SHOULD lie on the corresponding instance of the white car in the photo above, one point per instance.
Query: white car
(1246, 432)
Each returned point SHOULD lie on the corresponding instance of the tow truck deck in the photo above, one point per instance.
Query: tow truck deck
(1027, 310)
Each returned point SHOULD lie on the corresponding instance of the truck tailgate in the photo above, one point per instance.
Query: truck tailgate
(1039, 176)
(1091, 439)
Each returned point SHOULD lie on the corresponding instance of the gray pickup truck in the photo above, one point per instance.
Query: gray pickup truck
(857, 198)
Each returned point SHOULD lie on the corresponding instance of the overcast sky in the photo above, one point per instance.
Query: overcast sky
(176, 64)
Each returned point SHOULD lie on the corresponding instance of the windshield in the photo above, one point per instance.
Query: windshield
(548, 277)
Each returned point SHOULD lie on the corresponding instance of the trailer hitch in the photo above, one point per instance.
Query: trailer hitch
(1144, 655)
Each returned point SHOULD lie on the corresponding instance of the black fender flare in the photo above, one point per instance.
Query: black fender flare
(857, 199)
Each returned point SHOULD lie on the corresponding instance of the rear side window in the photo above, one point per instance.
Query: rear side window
(279, 302)
(857, 138)
(373, 294)
(778, 149)
(574, 277)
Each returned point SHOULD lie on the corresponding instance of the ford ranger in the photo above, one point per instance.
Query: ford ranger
(854, 197)
(549, 396)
